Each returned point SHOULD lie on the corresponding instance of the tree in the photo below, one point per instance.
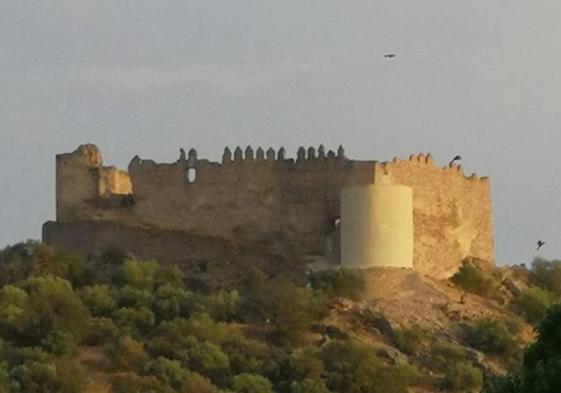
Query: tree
(139, 274)
(99, 298)
(542, 361)
(168, 371)
(533, 303)
(548, 274)
(471, 279)
(251, 383)
(128, 354)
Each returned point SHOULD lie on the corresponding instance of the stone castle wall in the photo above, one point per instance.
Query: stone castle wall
(264, 195)
(452, 213)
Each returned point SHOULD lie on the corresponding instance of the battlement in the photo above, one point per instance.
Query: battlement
(264, 194)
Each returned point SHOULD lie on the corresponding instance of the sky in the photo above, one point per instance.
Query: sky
(480, 78)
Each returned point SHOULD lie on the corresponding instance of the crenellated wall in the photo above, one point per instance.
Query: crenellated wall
(263, 195)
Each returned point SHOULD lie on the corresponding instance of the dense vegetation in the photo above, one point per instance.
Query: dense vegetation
(162, 335)
(163, 332)
(542, 361)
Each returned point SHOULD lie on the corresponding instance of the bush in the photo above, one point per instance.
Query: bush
(133, 383)
(59, 343)
(339, 283)
(445, 353)
(196, 383)
(458, 374)
(409, 341)
(139, 274)
(209, 360)
(533, 303)
(134, 321)
(100, 299)
(251, 383)
(354, 368)
(170, 372)
(170, 302)
(128, 354)
(222, 306)
(101, 331)
(308, 386)
(491, 336)
(48, 376)
(548, 275)
(471, 279)
(462, 376)
(542, 360)
(41, 307)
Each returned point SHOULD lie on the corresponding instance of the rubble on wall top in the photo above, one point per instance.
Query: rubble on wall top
(248, 154)
(428, 160)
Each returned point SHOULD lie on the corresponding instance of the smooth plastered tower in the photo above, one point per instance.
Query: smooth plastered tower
(377, 226)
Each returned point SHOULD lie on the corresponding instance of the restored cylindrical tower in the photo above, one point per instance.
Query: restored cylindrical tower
(377, 226)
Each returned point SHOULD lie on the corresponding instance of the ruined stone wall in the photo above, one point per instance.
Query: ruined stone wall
(113, 181)
(245, 196)
(452, 213)
(265, 196)
(81, 179)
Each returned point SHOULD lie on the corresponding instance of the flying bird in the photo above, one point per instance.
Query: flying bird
(457, 158)
(540, 244)
(389, 55)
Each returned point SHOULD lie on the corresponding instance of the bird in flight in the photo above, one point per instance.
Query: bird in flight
(389, 55)
(453, 160)
(540, 244)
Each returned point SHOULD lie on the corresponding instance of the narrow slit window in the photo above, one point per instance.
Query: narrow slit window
(191, 175)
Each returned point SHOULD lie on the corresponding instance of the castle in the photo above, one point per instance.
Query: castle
(325, 207)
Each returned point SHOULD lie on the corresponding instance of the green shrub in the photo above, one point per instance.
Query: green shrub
(533, 303)
(308, 386)
(41, 307)
(101, 331)
(409, 341)
(204, 328)
(542, 360)
(339, 283)
(60, 343)
(444, 353)
(209, 360)
(491, 336)
(170, 302)
(169, 372)
(462, 376)
(131, 382)
(99, 298)
(196, 383)
(222, 306)
(129, 296)
(251, 383)
(471, 279)
(354, 368)
(548, 275)
(134, 321)
(128, 354)
(48, 376)
(458, 373)
(139, 274)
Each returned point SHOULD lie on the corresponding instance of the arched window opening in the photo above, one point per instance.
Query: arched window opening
(191, 175)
